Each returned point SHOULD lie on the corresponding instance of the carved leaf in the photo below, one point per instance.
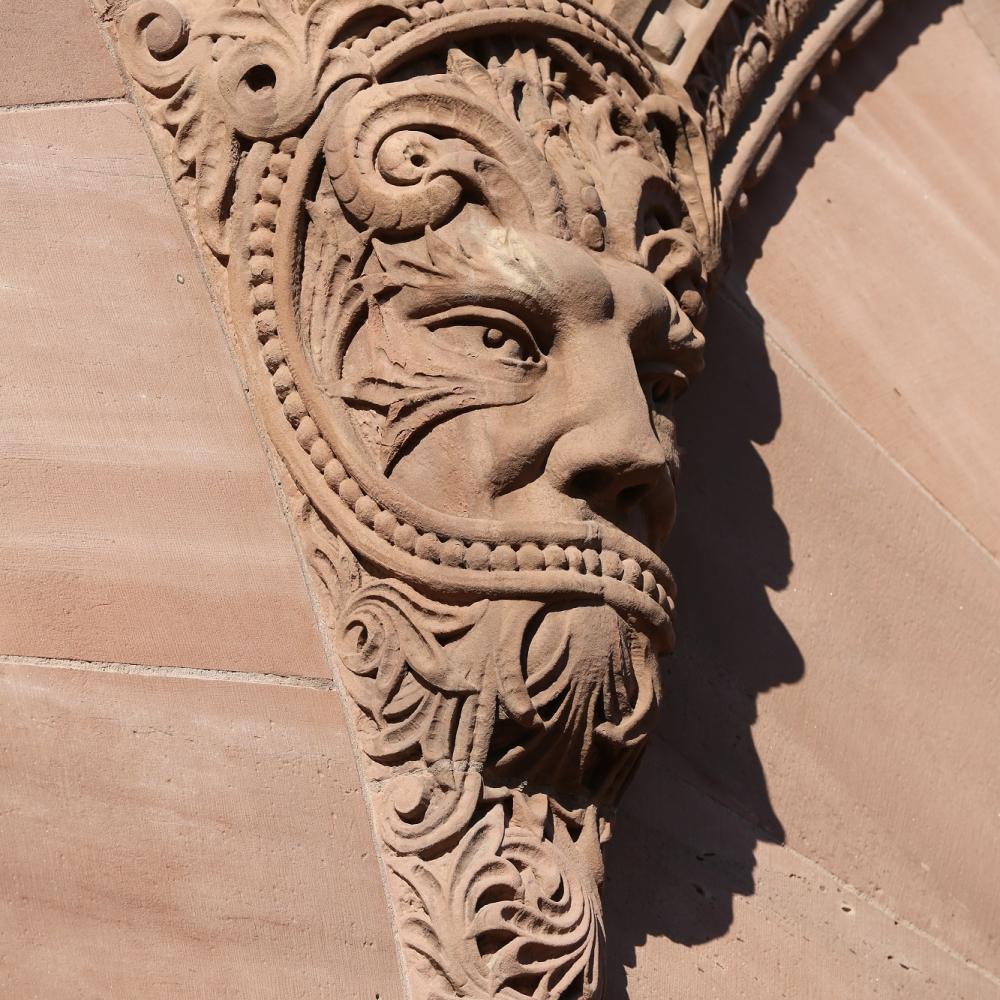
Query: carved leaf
(506, 915)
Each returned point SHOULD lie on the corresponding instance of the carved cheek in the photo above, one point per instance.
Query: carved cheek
(517, 468)
(519, 438)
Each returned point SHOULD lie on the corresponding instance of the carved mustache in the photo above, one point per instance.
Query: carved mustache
(591, 558)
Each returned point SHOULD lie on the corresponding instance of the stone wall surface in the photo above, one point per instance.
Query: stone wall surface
(53, 52)
(167, 832)
(142, 525)
(172, 837)
(181, 813)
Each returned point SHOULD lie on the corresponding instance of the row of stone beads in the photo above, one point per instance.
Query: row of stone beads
(476, 555)
(262, 231)
(261, 244)
(453, 551)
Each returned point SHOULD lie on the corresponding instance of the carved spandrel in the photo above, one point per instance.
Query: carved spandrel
(466, 248)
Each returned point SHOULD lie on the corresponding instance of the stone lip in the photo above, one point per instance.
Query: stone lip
(609, 563)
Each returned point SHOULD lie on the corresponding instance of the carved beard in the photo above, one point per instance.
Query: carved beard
(593, 682)
(500, 735)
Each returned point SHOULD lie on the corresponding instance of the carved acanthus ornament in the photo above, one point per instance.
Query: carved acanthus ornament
(464, 245)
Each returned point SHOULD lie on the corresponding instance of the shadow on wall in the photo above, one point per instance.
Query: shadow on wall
(690, 824)
(684, 846)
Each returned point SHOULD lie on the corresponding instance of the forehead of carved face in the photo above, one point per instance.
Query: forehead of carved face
(509, 374)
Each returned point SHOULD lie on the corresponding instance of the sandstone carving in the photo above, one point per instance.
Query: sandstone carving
(465, 249)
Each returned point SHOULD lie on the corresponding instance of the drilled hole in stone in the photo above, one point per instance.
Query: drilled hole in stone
(260, 79)
(359, 636)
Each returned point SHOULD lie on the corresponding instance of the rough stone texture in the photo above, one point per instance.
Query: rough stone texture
(53, 51)
(167, 838)
(814, 568)
(140, 521)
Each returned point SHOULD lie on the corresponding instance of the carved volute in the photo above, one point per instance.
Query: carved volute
(465, 247)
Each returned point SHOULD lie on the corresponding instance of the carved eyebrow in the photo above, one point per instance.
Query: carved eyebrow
(429, 306)
(590, 276)
(511, 284)
(536, 287)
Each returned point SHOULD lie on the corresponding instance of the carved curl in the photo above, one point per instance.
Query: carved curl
(402, 159)
(224, 74)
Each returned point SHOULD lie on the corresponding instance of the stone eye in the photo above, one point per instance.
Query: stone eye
(488, 334)
(510, 344)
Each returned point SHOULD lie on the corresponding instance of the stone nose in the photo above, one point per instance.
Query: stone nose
(612, 459)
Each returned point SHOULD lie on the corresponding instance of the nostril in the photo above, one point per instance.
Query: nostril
(632, 495)
(610, 491)
(588, 484)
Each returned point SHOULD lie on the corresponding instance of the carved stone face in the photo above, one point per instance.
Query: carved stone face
(568, 360)
(507, 325)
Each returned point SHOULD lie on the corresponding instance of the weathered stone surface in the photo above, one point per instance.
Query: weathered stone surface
(53, 51)
(140, 521)
(894, 308)
(465, 256)
(464, 281)
(167, 838)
